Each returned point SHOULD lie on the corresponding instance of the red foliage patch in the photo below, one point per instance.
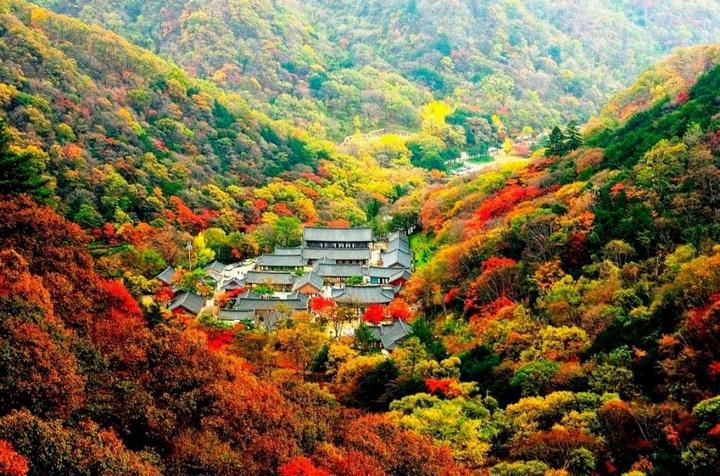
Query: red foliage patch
(321, 304)
(441, 386)
(682, 98)
(11, 463)
(218, 339)
(715, 431)
(497, 305)
(500, 203)
(374, 314)
(120, 301)
(495, 262)
(399, 309)
(301, 466)
(189, 220)
(450, 295)
(282, 209)
(311, 177)
(339, 223)
(164, 294)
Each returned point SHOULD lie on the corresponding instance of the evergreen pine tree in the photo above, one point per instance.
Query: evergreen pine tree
(556, 143)
(573, 139)
(364, 339)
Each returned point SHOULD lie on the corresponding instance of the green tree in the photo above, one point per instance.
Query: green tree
(21, 169)
(88, 217)
(288, 231)
(534, 377)
(573, 138)
(373, 385)
(555, 143)
(364, 339)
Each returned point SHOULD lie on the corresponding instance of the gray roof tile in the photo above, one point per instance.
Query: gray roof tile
(189, 301)
(360, 235)
(309, 278)
(281, 261)
(216, 266)
(288, 251)
(390, 335)
(327, 270)
(337, 254)
(361, 295)
(392, 258)
(271, 277)
(167, 275)
(253, 302)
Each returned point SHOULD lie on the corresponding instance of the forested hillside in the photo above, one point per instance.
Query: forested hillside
(118, 137)
(333, 66)
(557, 316)
(581, 292)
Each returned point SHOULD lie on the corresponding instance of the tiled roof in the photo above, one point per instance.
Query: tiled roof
(390, 335)
(337, 254)
(233, 315)
(233, 283)
(338, 270)
(245, 307)
(378, 272)
(338, 234)
(400, 274)
(326, 260)
(281, 261)
(288, 251)
(216, 266)
(188, 301)
(271, 277)
(399, 244)
(253, 302)
(309, 278)
(167, 275)
(369, 294)
(397, 257)
(398, 235)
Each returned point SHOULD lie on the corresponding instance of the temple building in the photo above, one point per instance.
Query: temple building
(278, 281)
(339, 238)
(263, 311)
(361, 297)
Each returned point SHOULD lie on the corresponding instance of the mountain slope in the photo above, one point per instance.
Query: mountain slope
(668, 79)
(270, 51)
(592, 276)
(322, 63)
(126, 137)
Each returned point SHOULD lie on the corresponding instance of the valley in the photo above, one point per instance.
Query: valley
(403, 237)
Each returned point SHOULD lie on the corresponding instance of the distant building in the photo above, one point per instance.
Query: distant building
(215, 270)
(263, 311)
(397, 259)
(387, 276)
(278, 281)
(309, 284)
(390, 336)
(281, 261)
(187, 302)
(360, 256)
(233, 284)
(361, 297)
(333, 273)
(167, 276)
(359, 238)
